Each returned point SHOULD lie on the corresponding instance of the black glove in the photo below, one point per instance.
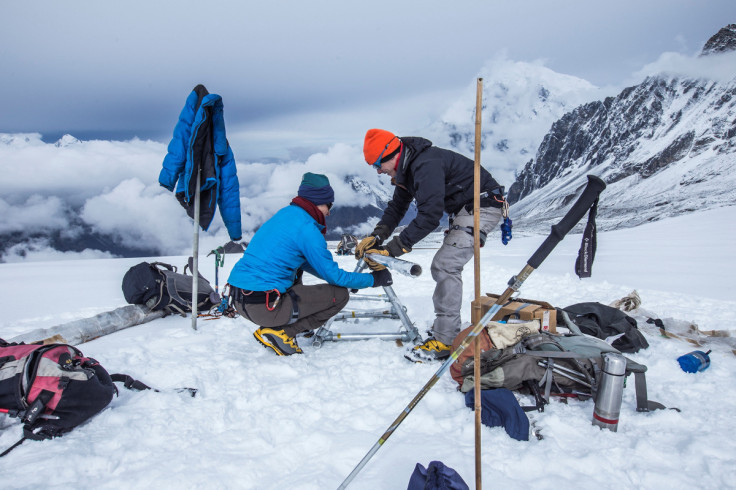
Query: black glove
(396, 247)
(382, 232)
(382, 278)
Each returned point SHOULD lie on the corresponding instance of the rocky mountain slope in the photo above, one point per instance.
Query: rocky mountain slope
(665, 147)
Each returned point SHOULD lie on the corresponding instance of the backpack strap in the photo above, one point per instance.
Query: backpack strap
(586, 254)
(22, 439)
(133, 384)
(162, 265)
(129, 382)
(643, 404)
(539, 401)
(294, 306)
(31, 414)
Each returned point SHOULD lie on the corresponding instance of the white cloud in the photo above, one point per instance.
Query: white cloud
(73, 172)
(140, 215)
(266, 188)
(36, 214)
(113, 186)
(38, 250)
(719, 67)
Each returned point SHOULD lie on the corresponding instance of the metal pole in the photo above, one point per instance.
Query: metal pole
(476, 312)
(195, 254)
(397, 265)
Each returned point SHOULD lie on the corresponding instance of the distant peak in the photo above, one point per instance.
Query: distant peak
(66, 140)
(723, 41)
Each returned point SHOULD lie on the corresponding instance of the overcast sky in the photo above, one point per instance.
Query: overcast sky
(299, 76)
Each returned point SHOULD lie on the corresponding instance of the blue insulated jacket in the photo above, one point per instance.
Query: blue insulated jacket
(199, 141)
(289, 241)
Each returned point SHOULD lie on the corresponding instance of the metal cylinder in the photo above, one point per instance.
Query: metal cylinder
(610, 392)
(397, 265)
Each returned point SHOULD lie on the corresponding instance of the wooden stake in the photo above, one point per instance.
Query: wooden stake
(476, 311)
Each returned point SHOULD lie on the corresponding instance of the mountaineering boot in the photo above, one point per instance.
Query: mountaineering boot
(282, 344)
(428, 351)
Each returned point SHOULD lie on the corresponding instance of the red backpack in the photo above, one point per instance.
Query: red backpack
(51, 388)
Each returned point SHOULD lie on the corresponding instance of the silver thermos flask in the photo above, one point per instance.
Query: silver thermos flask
(608, 401)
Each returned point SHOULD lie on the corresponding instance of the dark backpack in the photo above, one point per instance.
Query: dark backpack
(51, 388)
(605, 322)
(159, 287)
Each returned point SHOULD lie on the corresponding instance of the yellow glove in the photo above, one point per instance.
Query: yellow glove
(366, 243)
(372, 264)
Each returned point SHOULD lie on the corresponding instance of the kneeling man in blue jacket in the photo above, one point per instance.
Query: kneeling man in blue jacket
(266, 286)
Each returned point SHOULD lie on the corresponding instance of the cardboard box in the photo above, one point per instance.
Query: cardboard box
(522, 309)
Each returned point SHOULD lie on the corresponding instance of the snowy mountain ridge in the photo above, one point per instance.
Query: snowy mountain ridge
(665, 147)
(520, 102)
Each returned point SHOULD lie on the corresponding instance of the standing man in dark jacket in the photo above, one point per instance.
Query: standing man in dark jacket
(441, 181)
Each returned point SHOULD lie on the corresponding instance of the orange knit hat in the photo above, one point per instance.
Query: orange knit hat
(379, 144)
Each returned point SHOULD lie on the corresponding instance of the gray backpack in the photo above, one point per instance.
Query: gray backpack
(549, 365)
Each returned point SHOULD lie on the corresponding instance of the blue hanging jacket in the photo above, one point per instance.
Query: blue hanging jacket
(199, 142)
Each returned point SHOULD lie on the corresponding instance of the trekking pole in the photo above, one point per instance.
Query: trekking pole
(591, 192)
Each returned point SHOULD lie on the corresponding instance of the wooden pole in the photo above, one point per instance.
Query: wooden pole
(475, 314)
(195, 254)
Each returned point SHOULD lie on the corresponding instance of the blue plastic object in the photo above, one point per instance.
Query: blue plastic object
(506, 230)
(695, 361)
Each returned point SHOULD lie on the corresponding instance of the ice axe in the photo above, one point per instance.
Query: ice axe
(589, 195)
(230, 247)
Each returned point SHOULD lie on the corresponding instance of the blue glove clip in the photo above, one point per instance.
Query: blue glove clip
(506, 231)
(695, 361)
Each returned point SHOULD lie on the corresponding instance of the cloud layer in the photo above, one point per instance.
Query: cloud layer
(111, 188)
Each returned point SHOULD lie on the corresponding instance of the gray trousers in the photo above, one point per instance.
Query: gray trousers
(317, 304)
(447, 271)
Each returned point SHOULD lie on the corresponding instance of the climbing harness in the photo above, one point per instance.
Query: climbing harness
(470, 231)
(256, 297)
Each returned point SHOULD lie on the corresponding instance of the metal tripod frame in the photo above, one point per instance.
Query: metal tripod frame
(397, 311)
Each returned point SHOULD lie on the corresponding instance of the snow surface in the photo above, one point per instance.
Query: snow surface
(262, 421)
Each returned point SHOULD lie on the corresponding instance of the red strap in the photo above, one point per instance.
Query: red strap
(605, 420)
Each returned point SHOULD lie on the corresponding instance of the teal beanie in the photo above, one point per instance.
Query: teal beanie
(316, 188)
